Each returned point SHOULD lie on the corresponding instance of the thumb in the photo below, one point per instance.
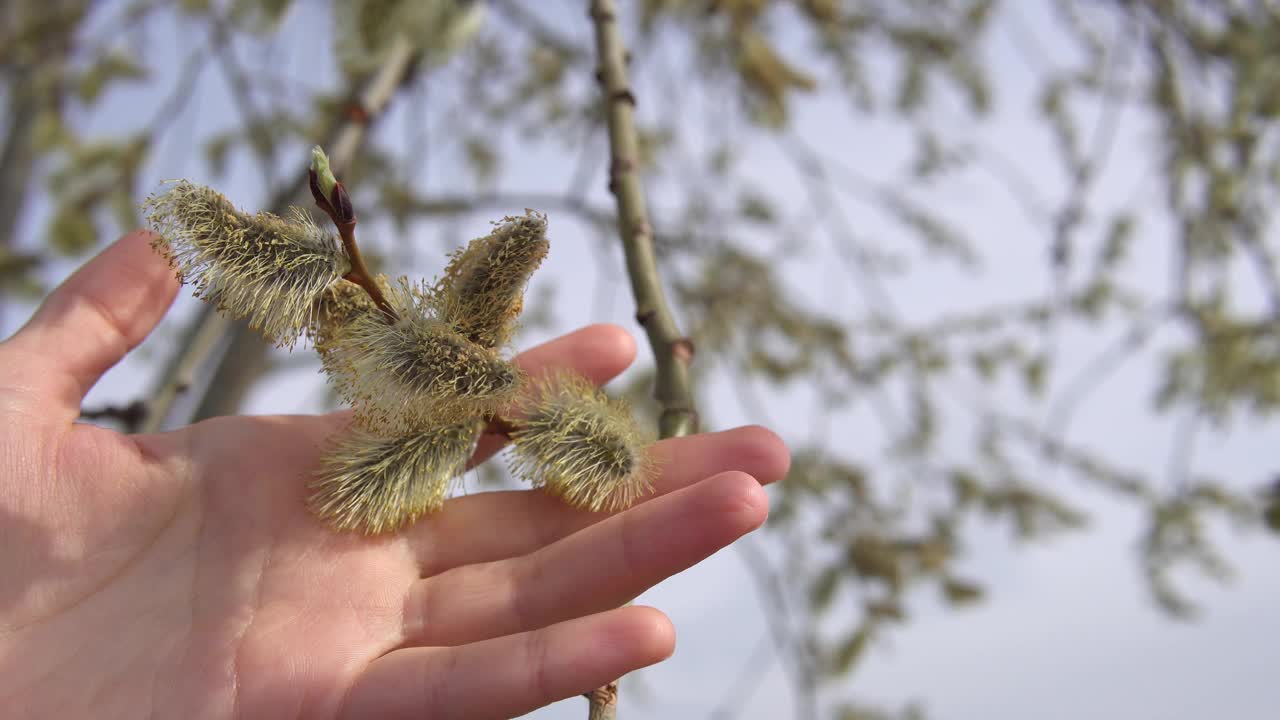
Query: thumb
(93, 319)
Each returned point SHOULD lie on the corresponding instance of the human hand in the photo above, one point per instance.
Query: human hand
(181, 575)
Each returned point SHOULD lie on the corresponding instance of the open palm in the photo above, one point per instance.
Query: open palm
(180, 574)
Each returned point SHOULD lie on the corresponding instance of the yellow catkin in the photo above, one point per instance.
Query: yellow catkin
(374, 484)
(482, 291)
(581, 445)
(341, 303)
(416, 371)
(263, 268)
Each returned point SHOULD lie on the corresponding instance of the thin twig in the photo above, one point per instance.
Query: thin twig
(337, 205)
(184, 89)
(544, 33)
(17, 155)
(749, 679)
(1076, 390)
(241, 93)
(829, 211)
(128, 416)
(570, 202)
(772, 592)
(361, 276)
(1265, 265)
(672, 351)
(27, 96)
(198, 343)
(1083, 174)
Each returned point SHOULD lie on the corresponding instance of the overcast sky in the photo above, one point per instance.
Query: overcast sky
(1067, 629)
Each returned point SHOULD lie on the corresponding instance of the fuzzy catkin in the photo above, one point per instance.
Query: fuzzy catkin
(416, 371)
(263, 268)
(340, 304)
(581, 445)
(482, 291)
(374, 484)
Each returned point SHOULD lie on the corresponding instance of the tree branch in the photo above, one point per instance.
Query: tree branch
(772, 592)
(672, 352)
(17, 158)
(129, 416)
(198, 344)
(518, 13)
(246, 354)
(238, 81)
(450, 204)
(26, 96)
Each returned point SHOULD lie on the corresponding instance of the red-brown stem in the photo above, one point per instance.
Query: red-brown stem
(498, 425)
(360, 274)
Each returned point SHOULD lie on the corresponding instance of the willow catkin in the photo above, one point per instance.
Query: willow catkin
(581, 445)
(415, 371)
(374, 484)
(340, 304)
(263, 268)
(482, 291)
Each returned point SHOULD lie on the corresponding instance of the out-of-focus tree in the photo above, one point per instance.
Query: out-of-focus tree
(972, 401)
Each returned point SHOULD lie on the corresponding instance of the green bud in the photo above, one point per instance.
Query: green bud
(324, 175)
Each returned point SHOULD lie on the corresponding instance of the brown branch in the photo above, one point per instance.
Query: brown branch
(347, 132)
(498, 425)
(198, 344)
(130, 416)
(337, 205)
(360, 275)
(184, 89)
(672, 351)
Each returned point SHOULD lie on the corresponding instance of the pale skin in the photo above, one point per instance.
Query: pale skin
(180, 575)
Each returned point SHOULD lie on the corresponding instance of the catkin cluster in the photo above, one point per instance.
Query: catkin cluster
(423, 367)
